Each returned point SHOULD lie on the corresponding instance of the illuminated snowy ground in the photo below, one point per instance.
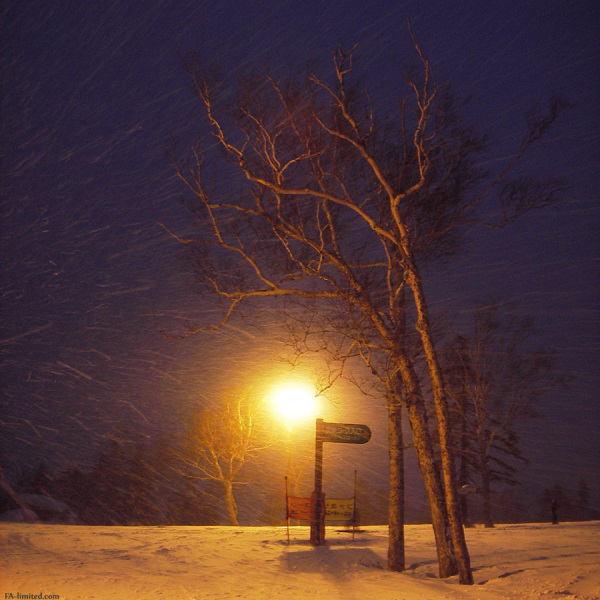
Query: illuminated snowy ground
(511, 561)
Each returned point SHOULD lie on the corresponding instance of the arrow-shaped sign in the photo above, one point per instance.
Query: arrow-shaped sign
(344, 433)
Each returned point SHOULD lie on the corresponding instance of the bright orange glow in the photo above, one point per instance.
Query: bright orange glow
(294, 402)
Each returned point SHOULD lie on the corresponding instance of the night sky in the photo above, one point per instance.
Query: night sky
(94, 92)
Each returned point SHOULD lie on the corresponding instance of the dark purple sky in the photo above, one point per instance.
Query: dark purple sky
(92, 92)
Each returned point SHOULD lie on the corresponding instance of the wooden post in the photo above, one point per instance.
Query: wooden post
(317, 520)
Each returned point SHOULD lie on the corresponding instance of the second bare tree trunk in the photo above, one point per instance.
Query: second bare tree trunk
(424, 448)
(230, 503)
(396, 554)
(423, 327)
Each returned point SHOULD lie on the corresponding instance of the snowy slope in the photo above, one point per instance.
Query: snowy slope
(535, 561)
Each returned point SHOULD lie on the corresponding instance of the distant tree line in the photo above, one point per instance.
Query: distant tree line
(494, 381)
(570, 507)
(131, 483)
(135, 483)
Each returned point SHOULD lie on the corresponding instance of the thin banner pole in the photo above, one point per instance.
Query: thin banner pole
(354, 508)
(287, 510)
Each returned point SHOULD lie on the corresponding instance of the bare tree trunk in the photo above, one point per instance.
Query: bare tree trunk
(417, 415)
(433, 488)
(423, 327)
(230, 503)
(396, 554)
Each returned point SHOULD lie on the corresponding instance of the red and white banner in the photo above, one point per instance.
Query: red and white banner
(298, 508)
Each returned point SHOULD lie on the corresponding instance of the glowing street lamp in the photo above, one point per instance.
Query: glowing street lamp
(294, 402)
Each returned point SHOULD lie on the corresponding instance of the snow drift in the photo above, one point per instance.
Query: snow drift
(533, 561)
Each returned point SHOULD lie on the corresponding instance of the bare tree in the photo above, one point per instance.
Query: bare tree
(494, 381)
(220, 441)
(318, 202)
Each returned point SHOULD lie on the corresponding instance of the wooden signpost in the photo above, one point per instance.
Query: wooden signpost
(337, 433)
(336, 509)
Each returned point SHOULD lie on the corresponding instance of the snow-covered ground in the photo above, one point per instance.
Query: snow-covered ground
(510, 562)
